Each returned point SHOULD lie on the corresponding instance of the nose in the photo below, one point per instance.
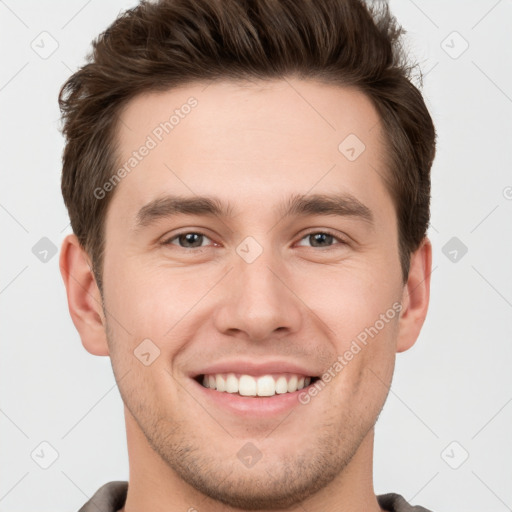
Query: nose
(257, 300)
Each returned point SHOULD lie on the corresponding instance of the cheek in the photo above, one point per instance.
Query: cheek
(369, 371)
(362, 312)
(351, 299)
(150, 300)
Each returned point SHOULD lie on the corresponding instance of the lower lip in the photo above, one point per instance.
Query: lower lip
(253, 405)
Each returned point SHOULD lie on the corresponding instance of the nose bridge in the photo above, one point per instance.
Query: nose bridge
(259, 285)
(257, 300)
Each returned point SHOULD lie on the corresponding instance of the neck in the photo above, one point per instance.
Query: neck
(155, 486)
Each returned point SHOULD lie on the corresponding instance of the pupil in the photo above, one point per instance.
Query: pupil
(321, 237)
(189, 238)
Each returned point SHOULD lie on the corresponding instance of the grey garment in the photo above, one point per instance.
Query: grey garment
(396, 503)
(112, 496)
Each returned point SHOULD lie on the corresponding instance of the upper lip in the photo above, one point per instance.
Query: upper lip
(256, 369)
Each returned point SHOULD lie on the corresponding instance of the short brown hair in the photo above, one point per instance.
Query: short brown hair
(160, 45)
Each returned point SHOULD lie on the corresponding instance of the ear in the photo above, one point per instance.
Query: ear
(84, 298)
(415, 298)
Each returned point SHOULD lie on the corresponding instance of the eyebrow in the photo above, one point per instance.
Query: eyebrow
(298, 204)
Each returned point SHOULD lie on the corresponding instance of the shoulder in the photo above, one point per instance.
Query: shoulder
(393, 502)
(110, 497)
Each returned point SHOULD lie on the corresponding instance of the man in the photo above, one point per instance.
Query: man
(248, 185)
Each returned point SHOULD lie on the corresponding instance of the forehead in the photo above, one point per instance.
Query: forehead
(248, 141)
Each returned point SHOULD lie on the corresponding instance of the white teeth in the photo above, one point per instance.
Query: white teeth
(247, 385)
(281, 385)
(292, 384)
(231, 383)
(266, 386)
(220, 383)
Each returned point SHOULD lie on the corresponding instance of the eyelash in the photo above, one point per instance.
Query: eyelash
(201, 249)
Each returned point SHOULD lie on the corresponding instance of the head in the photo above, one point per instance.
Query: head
(289, 138)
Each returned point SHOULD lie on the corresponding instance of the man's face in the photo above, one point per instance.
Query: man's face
(256, 291)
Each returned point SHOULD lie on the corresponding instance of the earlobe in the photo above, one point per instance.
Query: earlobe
(84, 298)
(416, 295)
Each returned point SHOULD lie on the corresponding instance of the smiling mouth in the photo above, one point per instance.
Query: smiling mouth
(255, 386)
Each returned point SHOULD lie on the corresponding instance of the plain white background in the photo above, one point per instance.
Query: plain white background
(443, 439)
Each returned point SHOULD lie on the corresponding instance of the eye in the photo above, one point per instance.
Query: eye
(322, 239)
(187, 240)
(195, 239)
